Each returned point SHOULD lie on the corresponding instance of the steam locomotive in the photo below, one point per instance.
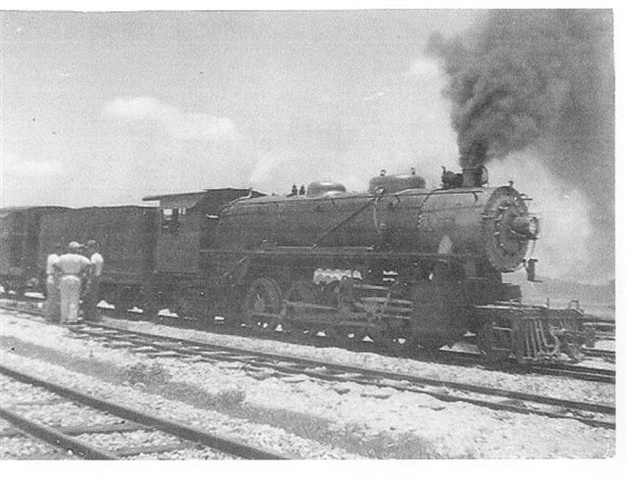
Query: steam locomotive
(413, 267)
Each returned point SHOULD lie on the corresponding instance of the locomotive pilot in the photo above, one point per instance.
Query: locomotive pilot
(72, 268)
(92, 292)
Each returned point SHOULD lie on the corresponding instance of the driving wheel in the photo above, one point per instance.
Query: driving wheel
(262, 304)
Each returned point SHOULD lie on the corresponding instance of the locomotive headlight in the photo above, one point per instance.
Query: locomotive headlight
(527, 226)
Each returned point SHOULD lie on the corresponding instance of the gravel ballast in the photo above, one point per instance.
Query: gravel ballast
(18, 447)
(308, 418)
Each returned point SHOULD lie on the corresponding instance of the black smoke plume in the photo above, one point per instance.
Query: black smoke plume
(541, 81)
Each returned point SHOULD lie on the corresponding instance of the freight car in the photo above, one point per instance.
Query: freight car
(20, 268)
(127, 236)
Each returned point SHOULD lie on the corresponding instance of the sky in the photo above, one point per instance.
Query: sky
(106, 108)
(110, 107)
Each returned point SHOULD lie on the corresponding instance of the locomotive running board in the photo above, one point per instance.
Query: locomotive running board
(349, 253)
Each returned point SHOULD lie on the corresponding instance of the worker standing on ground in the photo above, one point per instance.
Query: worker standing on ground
(92, 293)
(53, 298)
(72, 268)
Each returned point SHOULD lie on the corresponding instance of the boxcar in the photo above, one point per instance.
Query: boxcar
(21, 267)
(127, 238)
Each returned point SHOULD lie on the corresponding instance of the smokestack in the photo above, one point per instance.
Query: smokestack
(470, 179)
(540, 81)
(473, 156)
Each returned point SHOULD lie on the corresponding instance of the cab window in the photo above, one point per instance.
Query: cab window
(171, 219)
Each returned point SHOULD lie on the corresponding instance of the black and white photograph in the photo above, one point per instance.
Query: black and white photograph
(337, 233)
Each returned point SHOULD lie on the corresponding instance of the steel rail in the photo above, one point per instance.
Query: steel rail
(600, 353)
(592, 374)
(55, 437)
(578, 372)
(179, 430)
(463, 358)
(380, 373)
(367, 376)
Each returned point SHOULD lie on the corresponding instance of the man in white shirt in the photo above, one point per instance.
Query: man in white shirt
(53, 298)
(92, 293)
(71, 268)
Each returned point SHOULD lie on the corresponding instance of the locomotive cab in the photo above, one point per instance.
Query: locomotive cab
(183, 265)
(188, 222)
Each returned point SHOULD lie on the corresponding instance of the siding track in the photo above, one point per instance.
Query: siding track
(175, 436)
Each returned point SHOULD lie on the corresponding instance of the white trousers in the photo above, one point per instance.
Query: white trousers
(70, 289)
(53, 307)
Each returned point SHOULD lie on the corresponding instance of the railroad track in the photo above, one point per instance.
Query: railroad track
(439, 356)
(448, 357)
(592, 374)
(255, 362)
(609, 355)
(605, 329)
(574, 371)
(146, 434)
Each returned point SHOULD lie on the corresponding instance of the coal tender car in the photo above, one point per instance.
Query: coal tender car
(421, 267)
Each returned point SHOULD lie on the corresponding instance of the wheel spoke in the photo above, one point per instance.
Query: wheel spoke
(262, 304)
